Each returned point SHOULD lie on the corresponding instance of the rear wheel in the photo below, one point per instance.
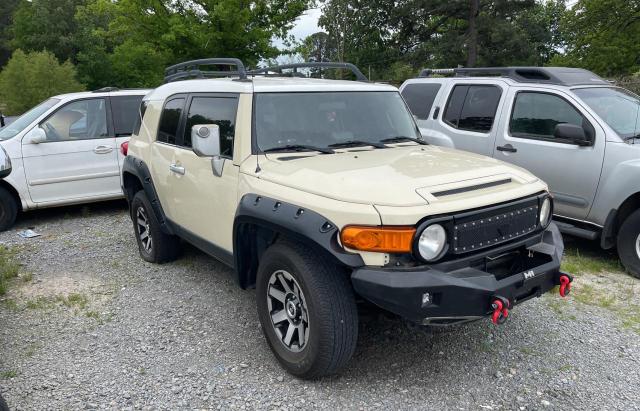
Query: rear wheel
(154, 245)
(629, 244)
(307, 310)
(8, 209)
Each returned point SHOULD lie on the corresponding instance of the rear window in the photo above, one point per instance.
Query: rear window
(472, 108)
(125, 112)
(139, 117)
(420, 97)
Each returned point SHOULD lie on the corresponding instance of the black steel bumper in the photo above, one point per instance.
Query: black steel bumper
(463, 289)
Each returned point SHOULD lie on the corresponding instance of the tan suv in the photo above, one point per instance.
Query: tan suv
(318, 192)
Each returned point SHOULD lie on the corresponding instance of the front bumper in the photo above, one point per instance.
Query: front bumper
(463, 289)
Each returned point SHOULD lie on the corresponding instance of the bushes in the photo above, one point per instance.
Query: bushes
(29, 78)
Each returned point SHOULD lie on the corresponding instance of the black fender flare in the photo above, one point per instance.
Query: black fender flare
(255, 213)
(138, 168)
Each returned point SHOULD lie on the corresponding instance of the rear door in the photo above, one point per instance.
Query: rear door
(78, 160)
(526, 139)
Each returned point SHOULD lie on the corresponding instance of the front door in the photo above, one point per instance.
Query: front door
(78, 160)
(526, 138)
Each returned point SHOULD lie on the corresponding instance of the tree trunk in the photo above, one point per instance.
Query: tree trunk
(472, 34)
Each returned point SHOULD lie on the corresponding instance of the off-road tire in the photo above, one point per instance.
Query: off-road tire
(331, 308)
(164, 247)
(3, 404)
(628, 247)
(8, 209)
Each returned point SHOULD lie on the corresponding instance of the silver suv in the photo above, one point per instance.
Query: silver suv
(571, 128)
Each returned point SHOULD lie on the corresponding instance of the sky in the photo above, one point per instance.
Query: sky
(305, 25)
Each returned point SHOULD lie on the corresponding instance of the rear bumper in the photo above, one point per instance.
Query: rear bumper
(464, 289)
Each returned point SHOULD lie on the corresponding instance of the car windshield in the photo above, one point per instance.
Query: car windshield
(618, 107)
(12, 129)
(307, 120)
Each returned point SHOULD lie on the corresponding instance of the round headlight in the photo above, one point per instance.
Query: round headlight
(545, 212)
(431, 242)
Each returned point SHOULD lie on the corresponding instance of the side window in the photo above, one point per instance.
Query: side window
(420, 97)
(80, 120)
(472, 108)
(214, 110)
(535, 115)
(170, 120)
(124, 110)
(139, 116)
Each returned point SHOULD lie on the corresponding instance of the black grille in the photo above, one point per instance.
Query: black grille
(487, 228)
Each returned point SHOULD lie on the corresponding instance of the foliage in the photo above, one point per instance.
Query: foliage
(7, 8)
(602, 35)
(29, 78)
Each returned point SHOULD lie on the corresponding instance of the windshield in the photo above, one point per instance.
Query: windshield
(618, 107)
(324, 119)
(11, 130)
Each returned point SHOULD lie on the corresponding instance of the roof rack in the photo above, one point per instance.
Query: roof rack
(105, 90)
(565, 76)
(324, 64)
(190, 69)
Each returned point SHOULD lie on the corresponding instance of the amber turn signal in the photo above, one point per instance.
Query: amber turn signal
(395, 239)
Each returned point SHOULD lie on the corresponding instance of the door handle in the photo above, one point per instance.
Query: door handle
(177, 169)
(102, 149)
(508, 148)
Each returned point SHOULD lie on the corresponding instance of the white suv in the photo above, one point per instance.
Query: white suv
(66, 150)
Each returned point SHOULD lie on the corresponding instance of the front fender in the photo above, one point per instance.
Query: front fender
(436, 138)
(618, 182)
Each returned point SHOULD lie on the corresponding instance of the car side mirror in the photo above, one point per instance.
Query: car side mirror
(571, 132)
(35, 136)
(205, 139)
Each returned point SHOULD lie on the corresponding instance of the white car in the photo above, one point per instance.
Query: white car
(67, 150)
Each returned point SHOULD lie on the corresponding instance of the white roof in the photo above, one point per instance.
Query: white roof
(262, 85)
(87, 94)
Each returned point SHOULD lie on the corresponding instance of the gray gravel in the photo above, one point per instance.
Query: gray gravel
(183, 336)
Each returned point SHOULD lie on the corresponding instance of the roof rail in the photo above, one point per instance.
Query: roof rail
(295, 66)
(565, 76)
(105, 90)
(189, 69)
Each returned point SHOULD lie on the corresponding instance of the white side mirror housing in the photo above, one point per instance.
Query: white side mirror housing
(205, 139)
(35, 136)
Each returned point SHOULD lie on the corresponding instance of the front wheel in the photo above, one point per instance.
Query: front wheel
(629, 244)
(8, 209)
(307, 310)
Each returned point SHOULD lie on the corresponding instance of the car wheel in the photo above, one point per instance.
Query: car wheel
(307, 310)
(3, 404)
(154, 245)
(629, 244)
(8, 209)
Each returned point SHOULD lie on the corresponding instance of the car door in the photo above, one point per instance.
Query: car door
(189, 191)
(77, 162)
(526, 138)
(467, 118)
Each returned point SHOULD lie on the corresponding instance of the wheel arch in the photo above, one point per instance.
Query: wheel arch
(616, 218)
(14, 193)
(260, 221)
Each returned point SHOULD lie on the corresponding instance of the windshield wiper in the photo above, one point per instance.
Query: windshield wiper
(631, 137)
(400, 139)
(299, 147)
(357, 143)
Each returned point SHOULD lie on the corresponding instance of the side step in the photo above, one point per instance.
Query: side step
(567, 228)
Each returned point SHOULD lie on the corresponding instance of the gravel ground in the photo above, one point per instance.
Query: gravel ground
(97, 327)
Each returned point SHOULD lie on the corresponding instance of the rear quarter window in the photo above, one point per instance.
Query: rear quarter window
(125, 114)
(472, 107)
(420, 98)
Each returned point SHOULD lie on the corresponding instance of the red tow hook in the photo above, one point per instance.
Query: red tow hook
(500, 307)
(565, 284)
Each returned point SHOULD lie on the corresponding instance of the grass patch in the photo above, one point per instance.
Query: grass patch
(5, 375)
(41, 303)
(26, 277)
(576, 262)
(73, 300)
(9, 268)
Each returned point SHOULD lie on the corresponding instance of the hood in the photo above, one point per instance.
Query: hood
(399, 176)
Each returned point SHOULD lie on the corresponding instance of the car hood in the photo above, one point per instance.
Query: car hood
(399, 176)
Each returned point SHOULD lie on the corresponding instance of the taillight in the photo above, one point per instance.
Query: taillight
(124, 148)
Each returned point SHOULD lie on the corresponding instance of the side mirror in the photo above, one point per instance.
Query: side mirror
(35, 136)
(1, 120)
(205, 139)
(571, 132)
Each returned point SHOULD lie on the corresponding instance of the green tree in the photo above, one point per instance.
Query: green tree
(46, 25)
(29, 78)
(602, 35)
(7, 7)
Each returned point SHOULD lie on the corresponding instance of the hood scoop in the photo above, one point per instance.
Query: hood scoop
(461, 190)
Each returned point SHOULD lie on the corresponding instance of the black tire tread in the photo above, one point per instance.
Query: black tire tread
(8, 202)
(627, 236)
(166, 248)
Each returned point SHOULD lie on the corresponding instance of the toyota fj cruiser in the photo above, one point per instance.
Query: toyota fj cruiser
(317, 192)
(575, 130)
